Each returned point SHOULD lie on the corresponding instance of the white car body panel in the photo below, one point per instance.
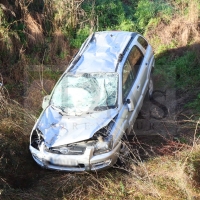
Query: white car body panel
(102, 52)
(61, 129)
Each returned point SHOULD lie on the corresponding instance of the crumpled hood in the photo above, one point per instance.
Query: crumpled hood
(61, 129)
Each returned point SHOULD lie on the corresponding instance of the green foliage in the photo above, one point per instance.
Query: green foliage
(147, 10)
(76, 21)
(126, 25)
(4, 27)
(185, 70)
(19, 28)
(110, 13)
(62, 54)
(188, 71)
(129, 7)
(81, 35)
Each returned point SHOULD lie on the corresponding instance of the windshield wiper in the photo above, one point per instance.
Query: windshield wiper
(102, 108)
(57, 107)
(68, 113)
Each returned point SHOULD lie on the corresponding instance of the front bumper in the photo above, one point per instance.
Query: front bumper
(85, 162)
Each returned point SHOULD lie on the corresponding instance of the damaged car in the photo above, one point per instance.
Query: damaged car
(94, 104)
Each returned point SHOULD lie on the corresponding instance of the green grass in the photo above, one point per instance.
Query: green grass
(185, 69)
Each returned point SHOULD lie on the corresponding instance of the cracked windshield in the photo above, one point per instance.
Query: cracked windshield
(86, 92)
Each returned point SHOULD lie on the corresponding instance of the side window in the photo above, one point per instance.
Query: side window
(135, 59)
(143, 42)
(127, 79)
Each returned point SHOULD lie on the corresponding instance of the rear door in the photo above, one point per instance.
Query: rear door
(146, 70)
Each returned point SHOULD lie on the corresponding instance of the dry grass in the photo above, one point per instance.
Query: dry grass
(36, 92)
(34, 30)
(13, 116)
(171, 173)
(160, 177)
(179, 32)
(59, 49)
(68, 13)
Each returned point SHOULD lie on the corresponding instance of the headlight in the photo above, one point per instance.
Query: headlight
(105, 140)
(36, 138)
(103, 145)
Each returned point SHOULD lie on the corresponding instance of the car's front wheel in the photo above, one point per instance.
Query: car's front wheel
(124, 154)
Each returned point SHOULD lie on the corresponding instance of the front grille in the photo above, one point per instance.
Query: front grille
(72, 150)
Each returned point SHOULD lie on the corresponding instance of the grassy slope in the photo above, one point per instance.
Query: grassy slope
(171, 172)
(159, 169)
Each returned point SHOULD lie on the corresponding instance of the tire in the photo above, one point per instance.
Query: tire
(123, 160)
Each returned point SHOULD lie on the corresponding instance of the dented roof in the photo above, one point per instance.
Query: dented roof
(101, 54)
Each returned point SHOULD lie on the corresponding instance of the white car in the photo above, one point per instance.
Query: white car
(94, 103)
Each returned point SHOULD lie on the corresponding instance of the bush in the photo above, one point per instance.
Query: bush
(126, 25)
(81, 35)
(146, 10)
(184, 69)
(110, 15)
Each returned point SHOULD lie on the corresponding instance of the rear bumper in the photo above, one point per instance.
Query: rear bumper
(76, 163)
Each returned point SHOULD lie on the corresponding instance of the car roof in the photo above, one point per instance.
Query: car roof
(102, 51)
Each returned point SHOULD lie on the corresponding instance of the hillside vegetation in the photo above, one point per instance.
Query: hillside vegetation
(38, 38)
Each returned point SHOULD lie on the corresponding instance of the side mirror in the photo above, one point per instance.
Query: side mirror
(45, 102)
(130, 105)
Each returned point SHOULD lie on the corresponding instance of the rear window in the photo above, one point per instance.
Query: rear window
(143, 42)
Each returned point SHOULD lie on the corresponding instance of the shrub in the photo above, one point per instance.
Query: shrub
(146, 10)
(185, 69)
(81, 35)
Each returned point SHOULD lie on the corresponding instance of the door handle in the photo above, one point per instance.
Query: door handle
(138, 87)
